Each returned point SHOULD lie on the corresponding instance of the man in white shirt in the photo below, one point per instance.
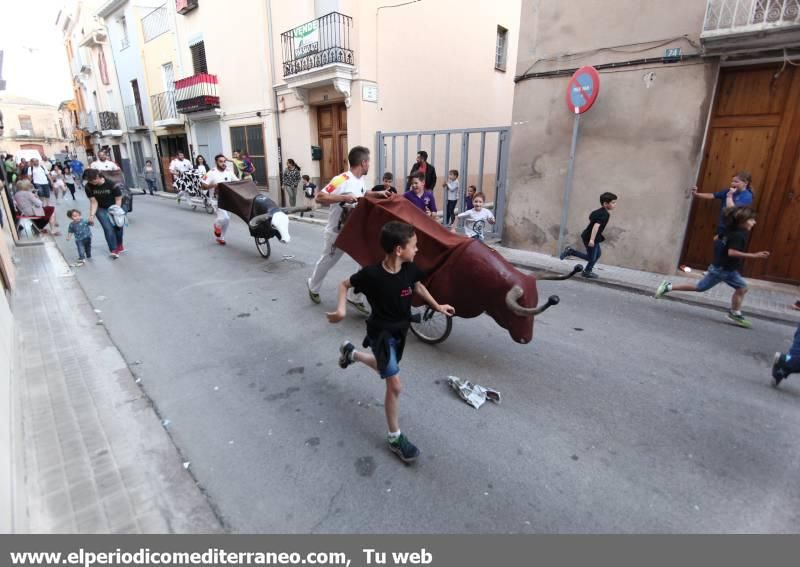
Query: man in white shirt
(47, 164)
(102, 163)
(40, 180)
(220, 174)
(341, 193)
(178, 167)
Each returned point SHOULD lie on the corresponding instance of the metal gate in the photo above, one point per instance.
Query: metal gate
(466, 150)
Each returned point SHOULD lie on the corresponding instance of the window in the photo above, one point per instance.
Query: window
(199, 58)
(25, 122)
(501, 49)
(101, 64)
(123, 24)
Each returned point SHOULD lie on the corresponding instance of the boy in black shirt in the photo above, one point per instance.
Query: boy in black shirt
(387, 184)
(592, 235)
(388, 287)
(728, 254)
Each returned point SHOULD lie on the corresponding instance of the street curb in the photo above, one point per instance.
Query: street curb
(319, 222)
(165, 195)
(755, 312)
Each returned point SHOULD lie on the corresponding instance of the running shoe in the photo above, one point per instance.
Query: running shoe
(346, 354)
(590, 275)
(221, 241)
(114, 255)
(796, 305)
(360, 306)
(739, 320)
(662, 289)
(404, 449)
(314, 297)
(217, 230)
(565, 254)
(779, 370)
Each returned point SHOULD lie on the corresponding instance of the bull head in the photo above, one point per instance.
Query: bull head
(280, 222)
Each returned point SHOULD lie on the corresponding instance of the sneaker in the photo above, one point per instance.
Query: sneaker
(779, 373)
(120, 249)
(360, 306)
(796, 305)
(404, 449)
(114, 255)
(221, 241)
(739, 320)
(346, 354)
(565, 254)
(314, 297)
(217, 230)
(662, 289)
(77, 264)
(590, 275)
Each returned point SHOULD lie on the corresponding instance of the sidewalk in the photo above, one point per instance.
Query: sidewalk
(94, 454)
(766, 300)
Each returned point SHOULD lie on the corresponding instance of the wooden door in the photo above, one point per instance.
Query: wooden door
(332, 131)
(755, 127)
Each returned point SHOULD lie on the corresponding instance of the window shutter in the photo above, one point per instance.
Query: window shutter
(199, 58)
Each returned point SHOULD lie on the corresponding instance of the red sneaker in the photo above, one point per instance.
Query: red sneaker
(217, 230)
(120, 249)
(221, 241)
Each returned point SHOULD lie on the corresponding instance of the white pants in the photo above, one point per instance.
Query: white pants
(330, 255)
(223, 220)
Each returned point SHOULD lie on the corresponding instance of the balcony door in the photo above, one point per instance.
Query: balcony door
(332, 129)
(755, 127)
(168, 75)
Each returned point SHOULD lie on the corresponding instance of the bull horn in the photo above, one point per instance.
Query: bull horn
(257, 220)
(575, 270)
(512, 301)
(293, 210)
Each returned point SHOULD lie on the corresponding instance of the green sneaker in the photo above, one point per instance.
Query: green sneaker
(404, 449)
(314, 297)
(360, 306)
(739, 320)
(662, 289)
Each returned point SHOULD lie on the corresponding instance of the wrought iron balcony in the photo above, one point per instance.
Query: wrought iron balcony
(163, 105)
(86, 121)
(196, 93)
(749, 17)
(108, 120)
(317, 43)
(134, 117)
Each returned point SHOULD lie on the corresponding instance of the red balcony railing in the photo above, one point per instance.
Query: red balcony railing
(196, 93)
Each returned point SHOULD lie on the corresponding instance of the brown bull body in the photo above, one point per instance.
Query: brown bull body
(461, 271)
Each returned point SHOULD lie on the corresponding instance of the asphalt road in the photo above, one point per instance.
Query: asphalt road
(623, 415)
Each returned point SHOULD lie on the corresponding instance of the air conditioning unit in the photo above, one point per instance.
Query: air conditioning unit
(185, 6)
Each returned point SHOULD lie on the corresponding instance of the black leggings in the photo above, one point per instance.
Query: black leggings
(71, 187)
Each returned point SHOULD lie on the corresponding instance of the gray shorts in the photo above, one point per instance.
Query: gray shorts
(43, 190)
(717, 275)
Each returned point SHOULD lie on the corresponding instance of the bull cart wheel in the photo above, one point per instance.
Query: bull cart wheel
(209, 208)
(263, 246)
(433, 327)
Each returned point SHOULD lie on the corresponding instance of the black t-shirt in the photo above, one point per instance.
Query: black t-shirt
(382, 188)
(732, 240)
(104, 194)
(599, 216)
(389, 295)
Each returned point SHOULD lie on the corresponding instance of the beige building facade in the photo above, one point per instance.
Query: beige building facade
(30, 124)
(661, 124)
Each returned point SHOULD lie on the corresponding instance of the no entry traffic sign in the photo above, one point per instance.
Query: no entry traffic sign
(582, 90)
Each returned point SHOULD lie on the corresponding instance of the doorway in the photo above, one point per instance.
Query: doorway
(332, 132)
(167, 148)
(755, 127)
(250, 140)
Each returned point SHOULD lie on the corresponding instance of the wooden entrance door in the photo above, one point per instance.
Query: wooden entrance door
(332, 129)
(755, 127)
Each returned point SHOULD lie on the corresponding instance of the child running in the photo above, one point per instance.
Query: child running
(728, 255)
(309, 193)
(787, 363)
(83, 236)
(388, 287)
(476, 218)
(592, 235)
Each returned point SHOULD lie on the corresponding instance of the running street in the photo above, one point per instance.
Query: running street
(623, 415)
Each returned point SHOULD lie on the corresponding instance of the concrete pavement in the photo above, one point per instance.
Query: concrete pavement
(625, 414)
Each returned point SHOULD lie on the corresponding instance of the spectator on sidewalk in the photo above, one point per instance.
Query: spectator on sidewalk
(249, 167)
(729, 251)
(200, 165)
(104, 194)
(47, 164)
(291, 178)
(419, 196)
(386, 184)
(739, 194)
(427, 169)
(784, 364)
(471, 191)
(41, 180)
(103, 163)
(592, 235)
(451, 189)
(29, 205)
(83, 235)
(149, 174)
(476, 218)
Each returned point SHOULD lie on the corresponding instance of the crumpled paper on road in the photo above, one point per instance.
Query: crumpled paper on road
(474, 394)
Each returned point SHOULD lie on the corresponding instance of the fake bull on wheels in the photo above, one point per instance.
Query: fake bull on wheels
(461, 271)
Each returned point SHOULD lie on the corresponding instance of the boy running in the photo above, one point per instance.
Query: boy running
(592, 235)
(787, 363)
(729, 251)
(388, 287)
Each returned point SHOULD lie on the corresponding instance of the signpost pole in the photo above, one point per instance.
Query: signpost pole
(568, 189)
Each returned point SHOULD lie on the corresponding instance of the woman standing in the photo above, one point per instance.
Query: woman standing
(57, 177)
(149, 173)
(200, 165)
(69, 179)
(291, 178)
